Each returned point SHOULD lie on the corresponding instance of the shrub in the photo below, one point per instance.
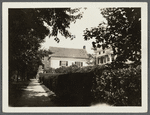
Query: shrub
(72, 85)
(49, 80)
(105, 83)
(62, 69)
(70, 69)
(49, 70)
(118, 86)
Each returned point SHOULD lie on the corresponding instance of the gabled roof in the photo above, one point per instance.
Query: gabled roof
(68, 52)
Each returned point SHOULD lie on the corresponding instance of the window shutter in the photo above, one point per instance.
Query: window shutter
(98, 60)
(81, 64)
(108, 58)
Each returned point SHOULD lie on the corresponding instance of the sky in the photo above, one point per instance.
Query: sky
(91, 18)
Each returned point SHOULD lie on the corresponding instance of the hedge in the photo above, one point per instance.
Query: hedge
(115, 86)
(118, 86)
(73, 85)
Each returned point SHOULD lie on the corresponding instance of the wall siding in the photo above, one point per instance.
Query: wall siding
(55, 61)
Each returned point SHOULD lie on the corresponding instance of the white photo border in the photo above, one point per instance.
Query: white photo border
(116, 109)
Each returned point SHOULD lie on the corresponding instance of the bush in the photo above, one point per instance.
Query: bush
(108, 84)
(48, 79)
(118, 86)
(49, 70)
(70, 69)
(72, 85)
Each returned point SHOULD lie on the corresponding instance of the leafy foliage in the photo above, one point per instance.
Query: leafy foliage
(115, 86)
(122, 32)
(49, 70)
(70, 69)
(27, 31)
(73, 87)
(91, 59)
(118, 86)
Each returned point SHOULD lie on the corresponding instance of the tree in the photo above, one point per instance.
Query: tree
(91, 59)
(122, 32)
(27, 31)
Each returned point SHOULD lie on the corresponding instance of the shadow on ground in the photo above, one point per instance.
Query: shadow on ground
(16, 90)
(33, 94)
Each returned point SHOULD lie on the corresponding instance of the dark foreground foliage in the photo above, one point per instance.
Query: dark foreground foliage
(73, 85)
(96, 84)
(118, 86)
(27, 30)
(16, 90)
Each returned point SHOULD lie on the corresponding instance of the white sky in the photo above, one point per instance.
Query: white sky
(91, 18)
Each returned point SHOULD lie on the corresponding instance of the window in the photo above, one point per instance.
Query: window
(107, 58)
(80, 64)
(103, 51)
(99, 52)
(112, 56)
(101, 60)
(63, 63)
(104, 59)
(98, 60)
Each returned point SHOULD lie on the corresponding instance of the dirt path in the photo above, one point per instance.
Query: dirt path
(35, 95)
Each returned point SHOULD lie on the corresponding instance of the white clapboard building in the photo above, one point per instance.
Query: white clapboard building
(65, 57)
(103, 56)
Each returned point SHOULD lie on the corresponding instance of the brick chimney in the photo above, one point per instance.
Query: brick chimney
(84, 47)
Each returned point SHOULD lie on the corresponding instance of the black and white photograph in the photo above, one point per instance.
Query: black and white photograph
(75, 57)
